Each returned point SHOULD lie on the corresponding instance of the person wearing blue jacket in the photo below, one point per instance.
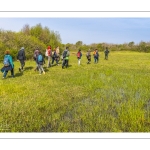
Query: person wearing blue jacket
(8, 64)
(40, 61)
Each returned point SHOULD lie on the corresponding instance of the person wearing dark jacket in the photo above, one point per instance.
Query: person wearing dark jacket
(21, 57)
(88, 56)
(65, 56)
(8, 64)
(55, 57)
(106, 53)
(34, 57)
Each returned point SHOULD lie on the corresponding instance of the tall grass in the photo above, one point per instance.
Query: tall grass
(111, 96)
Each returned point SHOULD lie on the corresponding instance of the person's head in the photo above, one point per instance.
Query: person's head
(48, 47)
(79, 50)
(38, 52)
(7, 52)
(106, 47)
(22, 48)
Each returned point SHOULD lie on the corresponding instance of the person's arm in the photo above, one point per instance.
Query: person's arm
(24, 56)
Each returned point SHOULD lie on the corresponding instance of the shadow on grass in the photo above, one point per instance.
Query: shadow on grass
(18, 74)
(28, 68)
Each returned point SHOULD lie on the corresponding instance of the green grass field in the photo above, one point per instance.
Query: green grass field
(111, 96)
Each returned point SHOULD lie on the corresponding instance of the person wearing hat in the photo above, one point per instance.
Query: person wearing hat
(21, 57)
(8, 64)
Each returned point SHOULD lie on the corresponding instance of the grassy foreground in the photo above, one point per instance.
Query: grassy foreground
(111, 96)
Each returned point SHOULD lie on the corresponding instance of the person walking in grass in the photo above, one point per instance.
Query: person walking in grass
(40, 61)
(35, 57)
(57, 50)
(79, 55)
(88, 56)
(96, 56)
(49, 55)
(21, 57)
(106, 53)
(65, 56)
(55, 57)
(8, 64)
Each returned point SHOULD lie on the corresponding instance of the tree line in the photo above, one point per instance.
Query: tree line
(30, 38)
(131, 46)
(41, 37)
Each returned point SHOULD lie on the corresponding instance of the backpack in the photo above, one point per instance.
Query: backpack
(78, 54)
(94, 52)
(6, 61)
(40, 58)
(64, 54)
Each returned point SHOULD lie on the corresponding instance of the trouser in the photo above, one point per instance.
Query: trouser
(96, 59)
(40, 68)
(79, 61)
(48, 63)
(22, 63)
(12, 73)
(53, 59)
(106, 56)
(89, 59)
(65, 63)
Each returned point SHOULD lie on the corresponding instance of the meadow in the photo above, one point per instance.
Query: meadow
(111, 96)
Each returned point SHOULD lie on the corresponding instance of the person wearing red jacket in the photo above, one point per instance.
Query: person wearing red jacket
(49, 54)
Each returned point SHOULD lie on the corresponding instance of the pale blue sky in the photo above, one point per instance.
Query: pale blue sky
(88, 30)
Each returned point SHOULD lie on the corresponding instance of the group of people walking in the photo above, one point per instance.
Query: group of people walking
(40, 61)
(95, 55)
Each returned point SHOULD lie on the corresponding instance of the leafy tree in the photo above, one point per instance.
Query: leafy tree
(131, 44)
(78, 44)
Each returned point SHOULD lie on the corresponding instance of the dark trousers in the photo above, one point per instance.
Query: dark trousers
(55, 59)
(65, 63)
(95, 59)
(12, 73)
(22, 63)
(106, 56)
